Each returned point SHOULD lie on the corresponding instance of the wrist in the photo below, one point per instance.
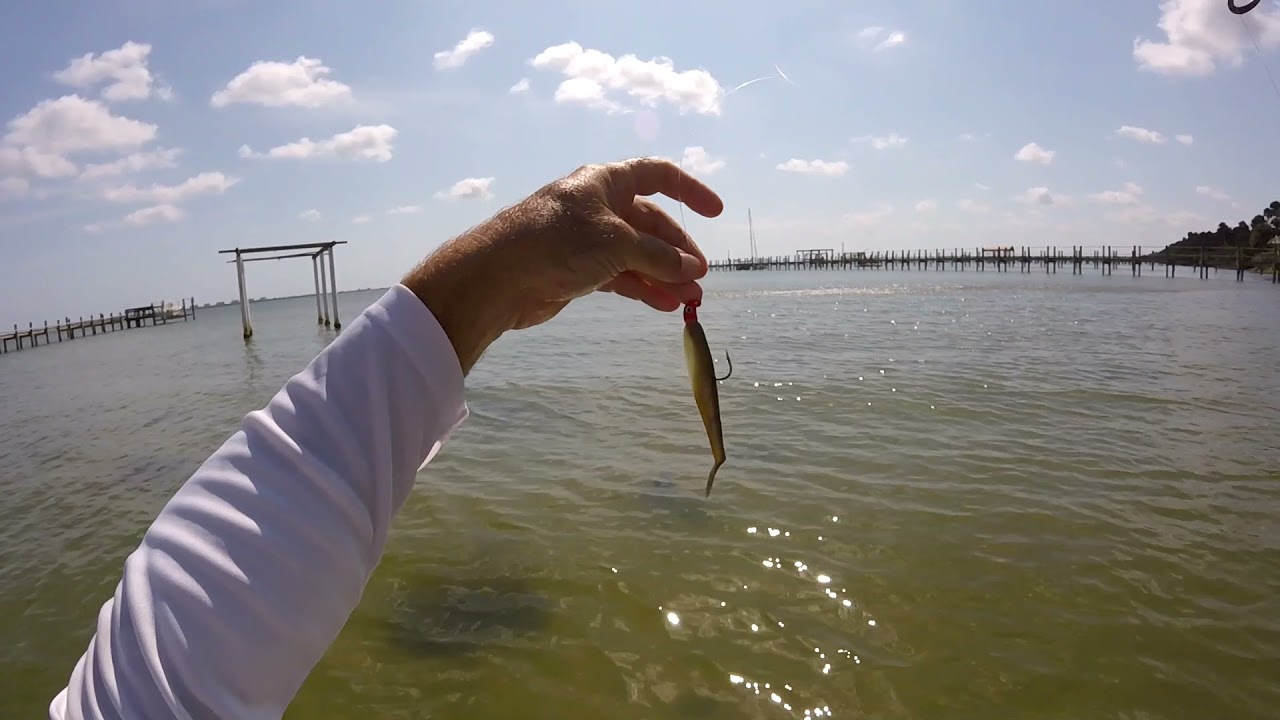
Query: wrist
(458, 286)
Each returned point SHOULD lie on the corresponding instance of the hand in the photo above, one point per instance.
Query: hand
(585, 232)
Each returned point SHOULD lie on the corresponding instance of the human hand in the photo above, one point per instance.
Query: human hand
(585, 232)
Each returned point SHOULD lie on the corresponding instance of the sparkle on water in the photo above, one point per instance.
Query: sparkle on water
(993, 495)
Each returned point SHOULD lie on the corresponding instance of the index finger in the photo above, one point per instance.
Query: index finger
(649, 175)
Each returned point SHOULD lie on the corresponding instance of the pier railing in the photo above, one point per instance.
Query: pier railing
(1105, 259)
(67, 329)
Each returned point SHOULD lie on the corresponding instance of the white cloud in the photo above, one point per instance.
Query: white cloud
(1042, 196)
(364, 142)
(815, 167)
(982, 187)
(269, 83)
(882, 142)
(967, 137)
(457, 56)
(591, 74)
(1200, 34)
(1141, 135)
(1128, 195)
(1212, 193)
(878, 39)
(973, 206)
(468, 189)
(1185, 139)
(132, 163)
(29, 161)
(361, 219)
(868, 218)
(699, 162)
(926, 205)
(311, 215)
(124, 70)
(72, 124)
(405, 210)
(522, 86)
(206, 183)
(1031, 152)
(149, 216)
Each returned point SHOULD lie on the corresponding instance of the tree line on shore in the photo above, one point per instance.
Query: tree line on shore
(1251, 242)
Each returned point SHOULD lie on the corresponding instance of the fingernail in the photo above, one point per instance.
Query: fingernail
(691, 267)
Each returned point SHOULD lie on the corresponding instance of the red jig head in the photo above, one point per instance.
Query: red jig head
(691, 312)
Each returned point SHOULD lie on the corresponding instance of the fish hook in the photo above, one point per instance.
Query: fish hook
(1241, 9)
(730, 361)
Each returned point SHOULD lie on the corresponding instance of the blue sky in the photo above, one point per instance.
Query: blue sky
(141, 137)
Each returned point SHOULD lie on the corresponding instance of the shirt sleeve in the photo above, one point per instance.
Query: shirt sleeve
(251, 569)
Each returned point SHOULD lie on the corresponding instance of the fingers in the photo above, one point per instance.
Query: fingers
(648, 255)
(646, 217)
(646, 176)
(654, 293)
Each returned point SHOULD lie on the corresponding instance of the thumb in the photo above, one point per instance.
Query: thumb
(649, 255)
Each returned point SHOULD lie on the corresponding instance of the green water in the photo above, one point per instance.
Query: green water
(948, 495)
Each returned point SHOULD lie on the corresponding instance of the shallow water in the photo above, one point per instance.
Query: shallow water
(960, 495)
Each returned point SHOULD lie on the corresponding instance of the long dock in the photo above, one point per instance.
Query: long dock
(67, 329)
(1104, 259)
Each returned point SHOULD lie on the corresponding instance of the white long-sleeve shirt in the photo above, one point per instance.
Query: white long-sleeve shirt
(252, 568)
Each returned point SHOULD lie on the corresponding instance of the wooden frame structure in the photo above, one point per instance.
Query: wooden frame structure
(326, 287)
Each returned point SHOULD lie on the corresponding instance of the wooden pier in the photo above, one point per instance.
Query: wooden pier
(68, 329)
(1103, 259)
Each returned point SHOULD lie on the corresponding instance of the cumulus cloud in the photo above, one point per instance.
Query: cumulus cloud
(1042, 196)
(468, 189)
(132, 163)
(591, 75)
(815, 167)
(311, 215)
(882, 142)
(206, 183)
(1127, 195)
(1201, 34)
(72, 124)
(878, 39)
(1141, 135)
(363, 142)
(301, 83)
(149, 216)
(698, 161)
(1212, 193)
(1033, 153)
(123, 70)
(1185, 139)
(457, 56)
(405, 210)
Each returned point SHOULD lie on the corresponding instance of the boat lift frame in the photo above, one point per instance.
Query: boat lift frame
(326, 287)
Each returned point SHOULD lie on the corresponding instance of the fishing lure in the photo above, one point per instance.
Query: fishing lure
(702, 376)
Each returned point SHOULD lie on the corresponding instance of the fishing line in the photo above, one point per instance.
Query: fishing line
(1240, 11)
(684, 148)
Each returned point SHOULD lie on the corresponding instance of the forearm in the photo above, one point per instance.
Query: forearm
(250, 571)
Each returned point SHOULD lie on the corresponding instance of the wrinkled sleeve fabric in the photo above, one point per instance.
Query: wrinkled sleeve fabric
(252, 568)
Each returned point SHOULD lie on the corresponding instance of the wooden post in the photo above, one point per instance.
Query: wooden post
(333, 288)
(324, 288)
(315, 275)
(244, 298)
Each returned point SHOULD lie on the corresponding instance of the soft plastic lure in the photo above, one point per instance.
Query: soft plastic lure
(702, 376)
